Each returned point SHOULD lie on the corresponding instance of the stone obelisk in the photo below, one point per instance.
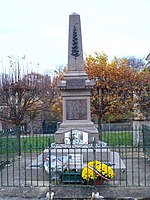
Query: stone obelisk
(76, 89)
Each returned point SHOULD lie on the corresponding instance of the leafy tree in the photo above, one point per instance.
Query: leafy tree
(51, 102)
(142, 95)
(57, 108)
(112, 96)
(57, 101)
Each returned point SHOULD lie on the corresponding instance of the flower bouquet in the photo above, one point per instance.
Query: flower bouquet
(96, 172)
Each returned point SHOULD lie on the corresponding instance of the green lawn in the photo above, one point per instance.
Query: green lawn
(10, 145)
(35, 143)
(118, 138)
(39, 142)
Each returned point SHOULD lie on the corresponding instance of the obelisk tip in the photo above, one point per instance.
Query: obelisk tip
(74, 13)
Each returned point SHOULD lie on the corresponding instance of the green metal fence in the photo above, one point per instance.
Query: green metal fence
(8, 145)
(146, 140)
(118, 137)
(37, 161)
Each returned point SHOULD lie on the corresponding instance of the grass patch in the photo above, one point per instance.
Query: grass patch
(9, 145)
(119, 138)
(37, 143)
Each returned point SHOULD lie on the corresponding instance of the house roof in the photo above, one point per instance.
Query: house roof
(148, 58)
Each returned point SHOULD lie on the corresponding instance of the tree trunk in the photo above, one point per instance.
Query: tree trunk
(32, 126)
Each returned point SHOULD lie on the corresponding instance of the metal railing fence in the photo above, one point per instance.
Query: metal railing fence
(43, 163)
(146, 140)
(8, 142)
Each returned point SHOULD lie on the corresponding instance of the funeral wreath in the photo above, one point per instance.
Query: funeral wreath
(95, 170)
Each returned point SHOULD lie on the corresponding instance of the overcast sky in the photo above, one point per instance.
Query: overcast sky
(38, 29)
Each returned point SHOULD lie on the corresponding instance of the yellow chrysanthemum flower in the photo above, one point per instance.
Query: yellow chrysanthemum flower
(96, 166)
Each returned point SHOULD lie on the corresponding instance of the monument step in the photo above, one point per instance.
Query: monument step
(102, 155)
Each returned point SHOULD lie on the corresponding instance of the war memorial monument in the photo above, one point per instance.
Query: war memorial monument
(76, 91)
(74, 138)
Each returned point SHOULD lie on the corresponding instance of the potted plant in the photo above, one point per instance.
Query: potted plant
(96, 173)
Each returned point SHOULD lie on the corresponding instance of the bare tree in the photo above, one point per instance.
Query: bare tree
(22, 94)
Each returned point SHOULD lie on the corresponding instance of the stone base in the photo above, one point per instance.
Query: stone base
(102, 154)
(86, 152)
(85, 127)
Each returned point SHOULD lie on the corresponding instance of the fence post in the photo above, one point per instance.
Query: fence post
(94, 156)
(49, 151)
(136, 135)
(19, 142)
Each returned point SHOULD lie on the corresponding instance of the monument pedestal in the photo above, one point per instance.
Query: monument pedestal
(76, 88)
(74, 138)
(76, 106)
(64, 128)
(78, 155)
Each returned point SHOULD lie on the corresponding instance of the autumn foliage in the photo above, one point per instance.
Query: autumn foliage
(112, 96)
(120, 92)
(118, 88)
(56, 107)
(142, 95)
